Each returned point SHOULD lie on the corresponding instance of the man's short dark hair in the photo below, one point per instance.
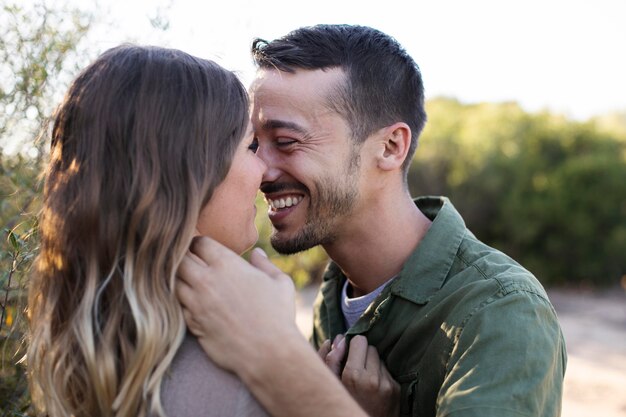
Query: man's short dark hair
(383, 83)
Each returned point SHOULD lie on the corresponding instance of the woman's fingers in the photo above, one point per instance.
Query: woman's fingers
(324, 349)
(335, 357)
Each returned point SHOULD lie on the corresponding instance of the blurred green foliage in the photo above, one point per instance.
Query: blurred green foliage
(14, 394)
(548, 191)
(40, 50)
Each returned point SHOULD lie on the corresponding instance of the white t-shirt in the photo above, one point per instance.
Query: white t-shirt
(353, 308)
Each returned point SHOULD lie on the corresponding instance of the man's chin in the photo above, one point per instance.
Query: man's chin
(289, 246)
(304, 239)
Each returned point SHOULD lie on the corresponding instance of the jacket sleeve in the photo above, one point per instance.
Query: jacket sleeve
(508, 359)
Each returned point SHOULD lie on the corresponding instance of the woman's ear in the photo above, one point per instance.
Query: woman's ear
(396, 141)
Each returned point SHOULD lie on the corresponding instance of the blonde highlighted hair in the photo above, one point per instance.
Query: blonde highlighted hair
(139, 143)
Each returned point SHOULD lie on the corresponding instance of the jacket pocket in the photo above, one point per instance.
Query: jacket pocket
(408, 394)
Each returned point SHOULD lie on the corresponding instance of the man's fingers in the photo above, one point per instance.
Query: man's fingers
(183, 292)
(204, 254)
(192, 256)
(259, 259)
(192, 325)
(209, 250)
(190, 268)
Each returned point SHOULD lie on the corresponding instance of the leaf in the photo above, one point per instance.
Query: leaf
(14, 241)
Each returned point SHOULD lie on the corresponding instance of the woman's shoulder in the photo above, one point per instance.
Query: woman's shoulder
(196, 386)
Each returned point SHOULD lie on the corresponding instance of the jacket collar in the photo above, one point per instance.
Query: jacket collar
(428, 266)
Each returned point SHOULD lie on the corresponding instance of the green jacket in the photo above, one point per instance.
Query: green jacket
(464, 329)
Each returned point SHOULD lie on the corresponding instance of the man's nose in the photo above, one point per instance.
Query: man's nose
(271, 161)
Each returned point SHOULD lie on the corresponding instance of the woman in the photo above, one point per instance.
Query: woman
(148, 145)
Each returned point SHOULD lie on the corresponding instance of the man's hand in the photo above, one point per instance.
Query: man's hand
(244, 317)
(238, 310)
(364, 375)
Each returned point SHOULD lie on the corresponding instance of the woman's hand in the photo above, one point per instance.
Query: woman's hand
(364, 375)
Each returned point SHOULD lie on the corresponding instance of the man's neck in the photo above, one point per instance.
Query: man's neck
(378, 241)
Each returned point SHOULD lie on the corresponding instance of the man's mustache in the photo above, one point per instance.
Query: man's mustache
(273, 187)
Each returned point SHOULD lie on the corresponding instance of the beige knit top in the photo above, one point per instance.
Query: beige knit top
(197, 387)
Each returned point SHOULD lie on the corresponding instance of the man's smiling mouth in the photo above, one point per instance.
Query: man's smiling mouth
(284, 202)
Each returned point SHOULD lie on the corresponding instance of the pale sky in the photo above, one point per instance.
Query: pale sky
(568, 56)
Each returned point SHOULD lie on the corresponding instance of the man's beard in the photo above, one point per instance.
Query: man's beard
(333, 201)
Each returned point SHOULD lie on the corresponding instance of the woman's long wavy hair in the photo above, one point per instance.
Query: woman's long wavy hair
(139, 143)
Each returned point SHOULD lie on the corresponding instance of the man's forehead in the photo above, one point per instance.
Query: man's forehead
(279, 94)
(314, 82)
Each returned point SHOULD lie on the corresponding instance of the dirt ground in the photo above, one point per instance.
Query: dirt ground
(594, 325)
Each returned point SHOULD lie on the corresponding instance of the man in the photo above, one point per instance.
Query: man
(461, 327)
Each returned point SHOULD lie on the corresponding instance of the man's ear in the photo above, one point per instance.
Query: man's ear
(396, 141)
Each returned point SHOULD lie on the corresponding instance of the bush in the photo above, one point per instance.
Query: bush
(548, 191)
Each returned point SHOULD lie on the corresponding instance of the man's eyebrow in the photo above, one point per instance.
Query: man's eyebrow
(282, 124)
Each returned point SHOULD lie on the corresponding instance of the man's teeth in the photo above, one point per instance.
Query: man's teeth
(284, 202)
